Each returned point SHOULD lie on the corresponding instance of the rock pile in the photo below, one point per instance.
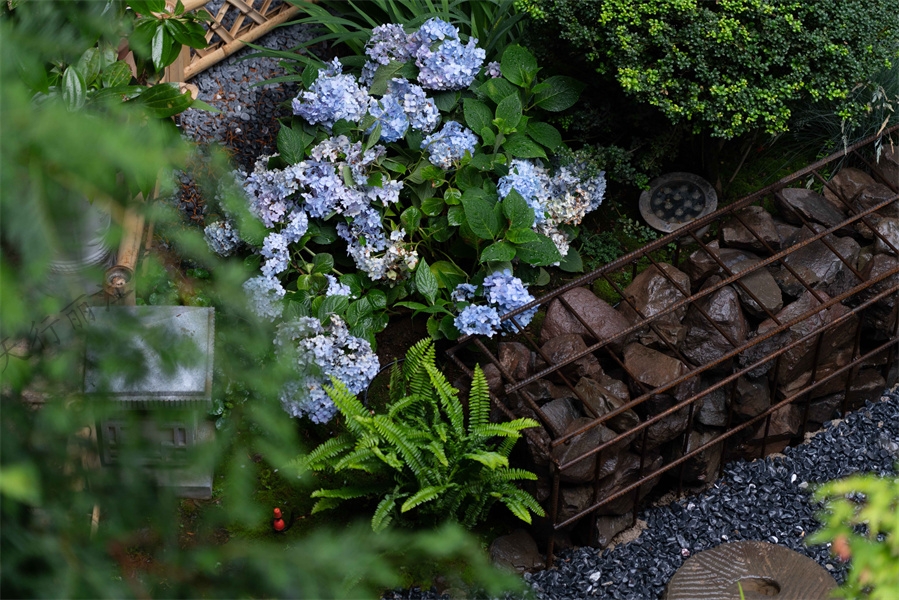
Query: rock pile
(700, 352)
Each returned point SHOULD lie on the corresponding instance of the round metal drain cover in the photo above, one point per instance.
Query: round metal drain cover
(675, 199)
(762, 570)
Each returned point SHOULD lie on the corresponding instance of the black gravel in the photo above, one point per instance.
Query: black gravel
(768, 500)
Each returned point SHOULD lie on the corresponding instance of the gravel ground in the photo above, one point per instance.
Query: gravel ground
(768, 500)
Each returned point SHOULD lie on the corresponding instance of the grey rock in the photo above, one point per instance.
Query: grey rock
(712, 409)
(626, 474)
(821, 410)
(605, 321)
(758, 290)
(703, 467)
(516, 552)
(700, 264)
(828, 271)
(494, 379)
(811, 205)
(880, 318)
(751, 397)
(704, 343)
(736, 235)
(515, 358)
(559, 414)
(652, 292)
(607, 527)
(888, 165)
(543, 390)
(653, 370)
(585, 470)
(602, 401)
(869, 197)
(562, 348)
(783, 425)
(847, 183)
(888, 231)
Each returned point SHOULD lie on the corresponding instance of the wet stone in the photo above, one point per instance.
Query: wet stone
(736, 235)
(704, 343)
(889, 230)
(831, 273)
(607, 527)
(652, 292)
(880, 318)
(711, 409)
(516, 552)
(603, 401)
(601, 317)
(752, 396)
(562, 348)
(703, 467)
(784, 424)
(516, 359)
(848, 182)
(560, 414)
(811, 205)
(585, 470)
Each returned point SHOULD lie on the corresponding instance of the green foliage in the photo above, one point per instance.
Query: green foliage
(420, 458)
(736, 66)
(50, 160)
(872, 504)
(495, 23)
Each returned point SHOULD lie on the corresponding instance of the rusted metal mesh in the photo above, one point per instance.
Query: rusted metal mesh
(833, 336)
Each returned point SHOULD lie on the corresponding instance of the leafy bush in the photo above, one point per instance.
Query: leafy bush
(732, 67)
(420, 455)
(861, 519)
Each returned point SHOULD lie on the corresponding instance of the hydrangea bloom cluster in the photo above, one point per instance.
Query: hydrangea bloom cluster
(404, 105)
(561, 199)
(265, 294)
(322, 353)
(332, 96)
(335, 288)
(504, 292)
(449, 144)
(444, 63)
(222, 238)
(270, 191)
(492, 69)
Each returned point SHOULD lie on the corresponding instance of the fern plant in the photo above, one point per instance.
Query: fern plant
(420, 457)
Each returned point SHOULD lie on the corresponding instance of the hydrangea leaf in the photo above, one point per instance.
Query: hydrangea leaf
(571, 262)
(516, 209)
(522, 235)
(446, 101)
(322, 263)
(508, 113)
(544, 134)
(321, 234)
(352, 281)
(488, 136)
(479, 214)
(433, 173)
(358, 310)
(477, 114)
(562, 92)
(448, 275)
(291, 145)
(498, 252)
(452, 196)
(382, 77)
(378, 299)
(332, 305)
(520, 145)
(497, 89)
(481, 162)
(411, 219)
(455, 215)
(440, 229)
(432, 206)
(540, 253)
(518, 65)
(448, 328)
(425, 282)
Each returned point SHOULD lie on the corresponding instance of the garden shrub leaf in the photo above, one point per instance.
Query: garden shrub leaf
(382, 77)
(477, 114)
(518, 65)
(540, 253)
(491, 460)
(571, 262)
(522, 235)
(479, 214)
(74, 90)
(520, 145)
(497, 89)
(425, 282)
(544, 134)
(508, 115)
(516, 209)
(561, 93)
(498, 252)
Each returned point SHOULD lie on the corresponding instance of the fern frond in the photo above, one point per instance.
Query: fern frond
(505, 447)
(326, 504)
(511, 474)
(491, 460)
(507, 429)
(397, 435)
(414, 357)
(390, 459)
(384, 513)
(423, 495)
(397, 383)
(477, 509)
(478, 400)
(436, 449)
(320, 458)
(357, 459)
(522, 504)
(348, 405)
(403, 404)
(347, 493)
(449, 399)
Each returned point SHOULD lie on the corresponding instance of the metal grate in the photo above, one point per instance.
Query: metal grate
(815, 346)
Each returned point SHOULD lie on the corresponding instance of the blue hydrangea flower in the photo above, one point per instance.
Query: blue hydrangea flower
(449, 144)
(507, 292)
(387, 43)
(530, 179)
(270, 192)
(222, 238)
(432, 30)
(421, 111)
(492, 70)
(389, 113)
(264, 295)
(297, 225)
(335, 288)
(478, 320)
(332, 97)
(275, 250)
(451, 66)
(463, 293)
(322, 354)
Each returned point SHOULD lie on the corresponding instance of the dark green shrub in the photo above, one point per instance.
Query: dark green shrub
(732, 66)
